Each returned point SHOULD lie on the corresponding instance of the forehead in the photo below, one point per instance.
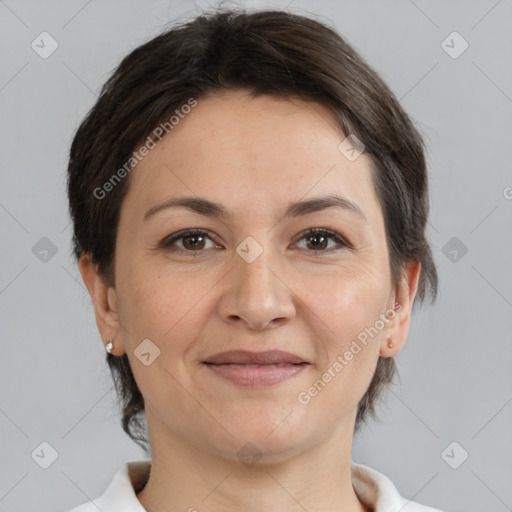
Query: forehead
(241, 150)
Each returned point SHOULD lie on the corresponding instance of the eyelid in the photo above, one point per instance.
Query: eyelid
(342, 241)
(168, 241)
(329, 233)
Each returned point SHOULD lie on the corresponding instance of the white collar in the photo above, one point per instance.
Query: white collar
(374, 489)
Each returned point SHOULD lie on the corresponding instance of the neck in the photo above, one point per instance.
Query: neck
(188, 478)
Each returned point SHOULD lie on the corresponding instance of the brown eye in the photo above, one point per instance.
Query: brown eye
(193, 240)
(317, 240)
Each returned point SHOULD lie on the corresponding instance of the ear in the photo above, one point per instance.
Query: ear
(402, 301)
(104, 300)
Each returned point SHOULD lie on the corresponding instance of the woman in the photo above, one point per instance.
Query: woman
(249, 204)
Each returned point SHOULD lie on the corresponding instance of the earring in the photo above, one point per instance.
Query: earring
(109, 346)
(390, 344)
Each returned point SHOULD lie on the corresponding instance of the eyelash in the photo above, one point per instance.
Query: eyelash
(168, 242)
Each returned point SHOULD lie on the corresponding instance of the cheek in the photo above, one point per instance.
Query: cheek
(348, 349)
(169, 310)
(348, 301)
(172, 317)
(349, 317)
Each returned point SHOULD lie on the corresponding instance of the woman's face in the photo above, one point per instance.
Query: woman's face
(254, 281)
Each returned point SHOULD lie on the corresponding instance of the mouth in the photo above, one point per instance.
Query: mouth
(245, 357)
(252, 369)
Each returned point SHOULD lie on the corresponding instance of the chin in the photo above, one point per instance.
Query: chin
(264, 442)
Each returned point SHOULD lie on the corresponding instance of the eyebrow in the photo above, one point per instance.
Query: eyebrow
(209, 208)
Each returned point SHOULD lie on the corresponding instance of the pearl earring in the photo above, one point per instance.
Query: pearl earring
(390, 344)
(109, 346)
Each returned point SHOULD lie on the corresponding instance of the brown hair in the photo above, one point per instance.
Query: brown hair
(267, 52)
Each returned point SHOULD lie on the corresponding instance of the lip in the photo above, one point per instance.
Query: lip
(260, 358)
(256, 369)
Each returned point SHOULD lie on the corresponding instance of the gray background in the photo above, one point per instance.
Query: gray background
(456, 383)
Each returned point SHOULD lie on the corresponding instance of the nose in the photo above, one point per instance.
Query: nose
(256, 294)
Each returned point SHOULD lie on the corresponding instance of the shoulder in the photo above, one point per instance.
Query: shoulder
(412, 506)
(120, 495)
(87, 507)
(379, 494)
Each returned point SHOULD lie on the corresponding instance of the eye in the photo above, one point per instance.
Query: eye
(193, 240)
(320, 238)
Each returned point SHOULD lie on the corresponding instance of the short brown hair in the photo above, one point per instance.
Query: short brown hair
(269, 52)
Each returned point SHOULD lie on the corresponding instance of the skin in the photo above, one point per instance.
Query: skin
(254, 156)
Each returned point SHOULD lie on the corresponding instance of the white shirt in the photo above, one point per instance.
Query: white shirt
(374, 489)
